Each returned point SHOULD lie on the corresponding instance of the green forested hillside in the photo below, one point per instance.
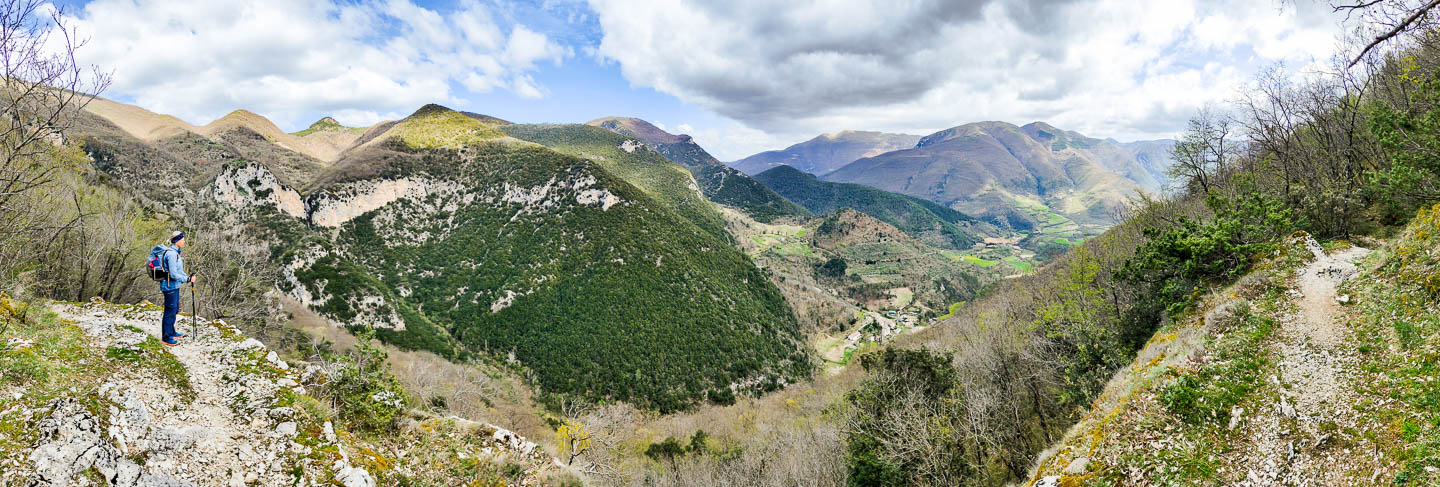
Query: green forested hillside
(729, 186)
(928, 221)
(646, 169)
(720, 183)
(583, 277)
(449, 236)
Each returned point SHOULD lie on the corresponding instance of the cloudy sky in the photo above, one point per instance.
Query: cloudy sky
(742, 76)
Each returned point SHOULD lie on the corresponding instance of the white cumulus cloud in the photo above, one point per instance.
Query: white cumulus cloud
(1109, 68)
(362, 61)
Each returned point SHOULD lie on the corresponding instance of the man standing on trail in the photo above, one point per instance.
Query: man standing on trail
(170, 286)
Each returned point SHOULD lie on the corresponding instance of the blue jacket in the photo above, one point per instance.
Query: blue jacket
(172, 262)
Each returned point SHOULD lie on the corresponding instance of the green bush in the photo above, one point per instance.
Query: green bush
(1175, 262)
(364, 391)
(867, 468)
(697, 442)
(896, 374)
(833, 268)
(722, 396)
(1410, 135)
(666, 450)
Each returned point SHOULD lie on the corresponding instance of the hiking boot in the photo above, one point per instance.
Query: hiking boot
(170, 343)
(178, 335)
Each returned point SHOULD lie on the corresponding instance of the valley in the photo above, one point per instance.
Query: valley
(861, 285)
(551, 269)
(396, 244)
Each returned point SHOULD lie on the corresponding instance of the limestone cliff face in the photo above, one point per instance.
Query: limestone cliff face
(405, 211)
(336, 206)
(254, 185)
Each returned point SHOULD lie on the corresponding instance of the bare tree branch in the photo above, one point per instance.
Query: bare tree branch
(1414, 16)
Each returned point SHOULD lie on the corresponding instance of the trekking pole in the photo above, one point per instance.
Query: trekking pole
(194, 316)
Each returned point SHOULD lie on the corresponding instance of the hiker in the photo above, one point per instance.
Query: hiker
(176, 276)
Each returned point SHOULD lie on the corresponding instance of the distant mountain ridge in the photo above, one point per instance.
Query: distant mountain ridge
(827, 152)
(720, 183)
(927, 221)
(322, 144)
(1006, 171)
(1143, 162)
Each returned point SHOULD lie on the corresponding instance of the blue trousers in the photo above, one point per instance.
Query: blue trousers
(172, 307)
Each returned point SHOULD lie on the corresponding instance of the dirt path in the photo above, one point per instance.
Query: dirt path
(1317, 287)
(1312, 378)
(226, 433)
(1313, 345)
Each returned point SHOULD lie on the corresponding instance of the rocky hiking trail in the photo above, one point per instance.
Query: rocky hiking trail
(1313, 375)
(221, 409)
(214, 429)
(1279, 352)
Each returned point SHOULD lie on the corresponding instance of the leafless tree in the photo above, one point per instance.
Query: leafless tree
(43, 86)
(1206, 148)
(1308, 142)
(607, 426)
(1386, 20)
(94, 252)
(237, 278)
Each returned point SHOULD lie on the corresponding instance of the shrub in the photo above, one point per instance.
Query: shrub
(1174, 262)
(363, 390)
(833, 268)
(666, 450)
(697, 442)
(722, 396)
(867, 468)
(902, 379)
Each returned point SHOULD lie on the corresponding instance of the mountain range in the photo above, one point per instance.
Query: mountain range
(595, 254)
(601, 269)
(1026, 177)
(827, 152)
(722, 184)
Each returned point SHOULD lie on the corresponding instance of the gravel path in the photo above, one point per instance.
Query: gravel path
(227, 434)
(1315, 364)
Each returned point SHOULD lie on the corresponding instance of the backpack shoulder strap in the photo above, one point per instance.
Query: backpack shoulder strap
(165, 264)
